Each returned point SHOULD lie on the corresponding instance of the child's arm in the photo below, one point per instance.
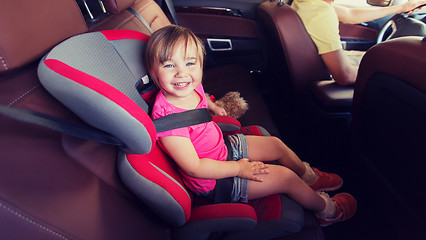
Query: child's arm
(215, 108)
(183, 153)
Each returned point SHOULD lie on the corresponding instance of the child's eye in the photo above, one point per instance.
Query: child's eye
(190, 63)
(168, 66)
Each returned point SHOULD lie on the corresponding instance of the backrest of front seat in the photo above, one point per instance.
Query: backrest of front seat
(301, 55)
(401, 58)
(389, 130)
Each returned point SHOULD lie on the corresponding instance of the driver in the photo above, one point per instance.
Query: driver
(321, 19)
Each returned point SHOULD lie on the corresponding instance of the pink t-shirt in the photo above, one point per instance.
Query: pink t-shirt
(207, 138)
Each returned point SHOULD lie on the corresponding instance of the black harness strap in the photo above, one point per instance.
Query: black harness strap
(183, 119)
(60, 125)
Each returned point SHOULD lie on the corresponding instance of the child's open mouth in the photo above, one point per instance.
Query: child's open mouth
(181, 84)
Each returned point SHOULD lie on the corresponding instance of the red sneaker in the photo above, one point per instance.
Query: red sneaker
(326, 181)
(345, 209)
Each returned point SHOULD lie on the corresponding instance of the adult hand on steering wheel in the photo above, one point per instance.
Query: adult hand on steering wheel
(412, 6)
(401, 24)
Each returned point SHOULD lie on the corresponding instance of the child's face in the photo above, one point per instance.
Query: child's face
(178, 76)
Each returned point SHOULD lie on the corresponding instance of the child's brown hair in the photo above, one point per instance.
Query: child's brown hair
(162, 43)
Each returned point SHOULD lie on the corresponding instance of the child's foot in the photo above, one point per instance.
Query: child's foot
(345, 208)
(326, 181)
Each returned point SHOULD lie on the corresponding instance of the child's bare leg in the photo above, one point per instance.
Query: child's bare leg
(283, 180)
(265, 148)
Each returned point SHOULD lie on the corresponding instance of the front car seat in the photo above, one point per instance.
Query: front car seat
(310, 99)
(305, 73)
(389, 131)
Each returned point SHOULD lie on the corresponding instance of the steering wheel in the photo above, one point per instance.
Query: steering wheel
(389, 25)
(401, 25)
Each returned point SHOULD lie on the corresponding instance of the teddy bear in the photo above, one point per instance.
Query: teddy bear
(234, 105)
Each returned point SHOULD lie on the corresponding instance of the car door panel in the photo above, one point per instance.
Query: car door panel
(228, 29)
(246, 8)
(357, 36)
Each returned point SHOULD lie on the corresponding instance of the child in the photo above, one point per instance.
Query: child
(175, 62)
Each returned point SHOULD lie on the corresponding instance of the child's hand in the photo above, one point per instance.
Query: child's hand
(219, 111)
(249, 169)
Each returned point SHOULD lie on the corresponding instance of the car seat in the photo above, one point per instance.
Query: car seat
(75, 71)
(306, 75)
(389, 133)
(316, 104)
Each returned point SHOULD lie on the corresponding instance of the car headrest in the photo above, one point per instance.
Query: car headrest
(30, 28)
(402, 57)
(100, 76)
(116, 6)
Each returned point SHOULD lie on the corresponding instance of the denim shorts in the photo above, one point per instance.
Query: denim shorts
(233, 189)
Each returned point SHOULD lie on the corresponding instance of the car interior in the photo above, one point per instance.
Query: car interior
(56, 184)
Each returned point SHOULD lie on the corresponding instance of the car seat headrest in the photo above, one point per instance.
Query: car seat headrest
(30, 28)
(116, 6)
(100, 76)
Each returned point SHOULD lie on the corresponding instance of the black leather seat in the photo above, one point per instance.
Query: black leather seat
(297, 54)
(389, 131)
(310, 98)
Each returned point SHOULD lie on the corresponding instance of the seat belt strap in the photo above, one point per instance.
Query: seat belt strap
(60, 125)
(172, 11)
(169, 122)
(138, 16)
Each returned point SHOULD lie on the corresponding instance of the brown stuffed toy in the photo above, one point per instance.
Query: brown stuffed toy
(234, 105)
